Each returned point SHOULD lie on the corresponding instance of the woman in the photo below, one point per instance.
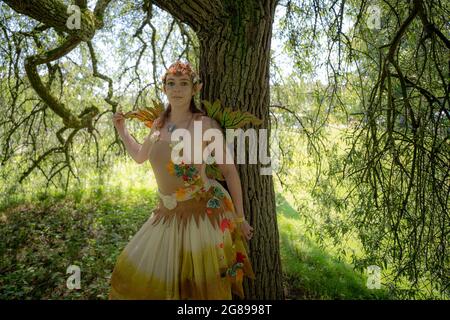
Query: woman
(193, 245)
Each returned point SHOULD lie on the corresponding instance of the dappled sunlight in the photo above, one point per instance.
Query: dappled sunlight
(316, 272)
(128, 175)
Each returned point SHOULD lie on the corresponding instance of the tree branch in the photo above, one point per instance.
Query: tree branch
(53, 13)
(97, 74)
(428, 26)
(31, 64)
(198, 14)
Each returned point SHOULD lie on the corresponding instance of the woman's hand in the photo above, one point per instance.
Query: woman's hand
(119, 121)
(247, 230)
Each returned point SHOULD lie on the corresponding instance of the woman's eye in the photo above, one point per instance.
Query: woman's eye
(171, 83)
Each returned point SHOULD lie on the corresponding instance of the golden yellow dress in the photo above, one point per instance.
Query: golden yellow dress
(190, 247)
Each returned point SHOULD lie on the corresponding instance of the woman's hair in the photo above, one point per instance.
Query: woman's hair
(179, 68)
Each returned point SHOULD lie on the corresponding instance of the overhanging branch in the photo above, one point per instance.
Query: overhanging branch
(198, 14)
(31, 64)
(53, 13)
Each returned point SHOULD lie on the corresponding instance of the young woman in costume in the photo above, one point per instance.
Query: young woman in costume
(193, 246)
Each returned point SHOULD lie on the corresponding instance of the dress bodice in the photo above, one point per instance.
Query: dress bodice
(172, 177)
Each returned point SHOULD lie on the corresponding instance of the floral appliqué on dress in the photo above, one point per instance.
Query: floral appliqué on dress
(194, 184)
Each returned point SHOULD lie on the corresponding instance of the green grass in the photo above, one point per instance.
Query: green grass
(46, 235)
(311, 272)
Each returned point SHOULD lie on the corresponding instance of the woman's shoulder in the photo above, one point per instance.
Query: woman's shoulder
(207, 121)
(200, 116)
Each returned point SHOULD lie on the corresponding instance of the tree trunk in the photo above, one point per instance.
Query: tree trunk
(234, 62)
(234, 66)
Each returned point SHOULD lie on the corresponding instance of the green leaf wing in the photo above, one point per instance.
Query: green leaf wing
(227, 118)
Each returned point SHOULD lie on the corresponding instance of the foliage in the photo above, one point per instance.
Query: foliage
(381, 183)
(44, 237)
(385, 85)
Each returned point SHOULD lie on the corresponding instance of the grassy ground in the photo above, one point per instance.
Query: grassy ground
(47, 233)
(43, 238)
(314, 273)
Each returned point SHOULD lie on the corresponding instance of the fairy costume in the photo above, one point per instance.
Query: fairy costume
(190, 247)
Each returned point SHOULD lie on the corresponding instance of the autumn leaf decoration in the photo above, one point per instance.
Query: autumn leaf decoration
(146, 115)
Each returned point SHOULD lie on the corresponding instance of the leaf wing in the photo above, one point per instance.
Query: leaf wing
(228, 118)
(146, 115)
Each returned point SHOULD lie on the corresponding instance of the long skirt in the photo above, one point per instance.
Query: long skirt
(193, 251)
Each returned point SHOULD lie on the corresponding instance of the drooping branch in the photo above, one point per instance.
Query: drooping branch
(88, 24)
(59, 14)
(37, 162)
(428, 26)
(31, 64)
(99, 10)
(399, 154)
(97, 74)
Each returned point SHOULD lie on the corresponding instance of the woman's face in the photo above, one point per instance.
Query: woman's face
(179, 89)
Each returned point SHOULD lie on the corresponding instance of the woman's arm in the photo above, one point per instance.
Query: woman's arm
(130, 143)
(235, 187)
(138, 152)
(227, 168)
(230, 173)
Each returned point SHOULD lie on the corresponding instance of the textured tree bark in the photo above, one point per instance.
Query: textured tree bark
(234, 65)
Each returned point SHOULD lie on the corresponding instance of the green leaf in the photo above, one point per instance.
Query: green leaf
(227, 118)
(213, 172)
